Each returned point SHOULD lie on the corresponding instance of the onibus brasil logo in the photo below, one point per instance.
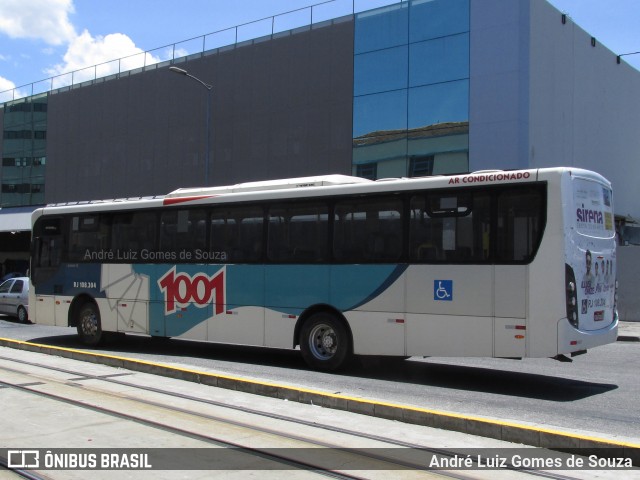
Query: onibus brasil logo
(182, 289)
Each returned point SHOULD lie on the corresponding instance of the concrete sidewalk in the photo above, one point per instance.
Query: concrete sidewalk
(629, 332)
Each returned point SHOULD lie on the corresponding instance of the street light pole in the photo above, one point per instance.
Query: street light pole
(208, 122)
(624, 55)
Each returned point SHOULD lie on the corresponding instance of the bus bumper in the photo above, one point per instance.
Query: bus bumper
(571, 339)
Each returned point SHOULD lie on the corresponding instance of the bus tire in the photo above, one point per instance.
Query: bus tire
(23, 316)
(89, 325)
(324, 342)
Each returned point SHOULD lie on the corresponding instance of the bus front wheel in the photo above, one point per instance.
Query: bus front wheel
(88, 325)
(324, 342)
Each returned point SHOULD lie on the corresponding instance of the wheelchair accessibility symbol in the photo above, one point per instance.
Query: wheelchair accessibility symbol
(443, 290)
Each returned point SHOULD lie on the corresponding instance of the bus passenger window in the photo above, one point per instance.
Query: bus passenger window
(520, 224)
(424, 235)
(236, 234)
(368, 230)
(133, 236)
(298, 233)
(88, 237)
(46, 248)
(183, 231)
(450, 227)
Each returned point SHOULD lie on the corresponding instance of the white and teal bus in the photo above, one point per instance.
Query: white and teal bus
(507, 264)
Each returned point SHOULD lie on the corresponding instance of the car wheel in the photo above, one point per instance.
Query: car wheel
(23, 316)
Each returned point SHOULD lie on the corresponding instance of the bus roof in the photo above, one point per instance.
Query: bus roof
(300, 182)
(301, 187)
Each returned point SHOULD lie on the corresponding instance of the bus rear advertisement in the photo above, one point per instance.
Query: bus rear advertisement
(497, 264)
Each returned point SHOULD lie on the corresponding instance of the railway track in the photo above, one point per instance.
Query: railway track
(252, 437)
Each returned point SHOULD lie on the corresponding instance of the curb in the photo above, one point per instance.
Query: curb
(628, 338)
(499, 430)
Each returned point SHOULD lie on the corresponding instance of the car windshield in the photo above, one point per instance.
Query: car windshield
(17, 286)
(4, 288)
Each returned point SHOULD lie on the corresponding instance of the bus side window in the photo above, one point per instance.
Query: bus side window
(424, 234)
(47, 243)
(236, 234)
(520, 224)
(298, 233)
(450, 226)
(46, 249)
(368, 230)
(133, 234)
(88, 236)
(183, 232)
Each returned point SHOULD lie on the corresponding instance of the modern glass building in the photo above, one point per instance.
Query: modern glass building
(411, 90)
(24, 149)
(414, 88)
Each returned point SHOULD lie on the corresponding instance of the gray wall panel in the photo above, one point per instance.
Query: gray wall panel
(542, 96)
(499, 86)
(1, 128)
(585, 108)
(280, 108)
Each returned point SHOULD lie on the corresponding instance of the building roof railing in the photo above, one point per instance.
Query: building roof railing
(318, 15)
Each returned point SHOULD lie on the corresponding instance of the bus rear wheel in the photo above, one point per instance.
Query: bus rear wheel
(89, 325)
(324, 342)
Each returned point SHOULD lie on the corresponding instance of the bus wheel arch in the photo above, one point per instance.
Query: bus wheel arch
(325, 338)
(84, 314)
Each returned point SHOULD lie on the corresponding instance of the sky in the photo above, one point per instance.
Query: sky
(40, 39)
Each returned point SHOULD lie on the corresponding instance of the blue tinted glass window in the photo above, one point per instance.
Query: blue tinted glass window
(380, 113)
(382, 156)
(411, 89)
(367, 170)
(24, 141)
(439, 60)
(380, 71)
(381, 28)
(440, 103)
(437, 18)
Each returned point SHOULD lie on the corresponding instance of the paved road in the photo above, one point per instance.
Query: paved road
(595, 395)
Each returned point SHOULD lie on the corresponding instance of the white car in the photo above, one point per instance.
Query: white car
(14, 298)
